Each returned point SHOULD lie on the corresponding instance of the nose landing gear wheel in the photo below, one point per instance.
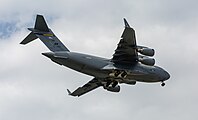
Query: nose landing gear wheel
(163, 84)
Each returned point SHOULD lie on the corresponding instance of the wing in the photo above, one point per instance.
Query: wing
(91, 85)
(126, 50)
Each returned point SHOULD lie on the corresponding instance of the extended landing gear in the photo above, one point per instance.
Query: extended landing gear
(163, 84)
(108, 83)
(123, 74)
(118, 74)
(113, 84)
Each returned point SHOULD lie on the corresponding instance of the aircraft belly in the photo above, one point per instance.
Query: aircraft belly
(96, 67)
(87, 64)
(68, 63)
(142, 78)
(94, 72)
(88, 67)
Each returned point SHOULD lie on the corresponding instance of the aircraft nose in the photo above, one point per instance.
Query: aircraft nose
(166, 75)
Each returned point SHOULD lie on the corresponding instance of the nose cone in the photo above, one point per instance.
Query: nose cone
(166, 75)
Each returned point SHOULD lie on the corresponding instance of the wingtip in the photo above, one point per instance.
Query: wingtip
(69, 92)
(126, 24)
(21, 43)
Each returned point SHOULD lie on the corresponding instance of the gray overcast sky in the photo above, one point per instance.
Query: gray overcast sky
(34, 88)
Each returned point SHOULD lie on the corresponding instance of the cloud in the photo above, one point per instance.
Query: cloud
(33, 87)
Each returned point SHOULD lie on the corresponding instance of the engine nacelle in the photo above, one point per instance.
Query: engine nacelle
(146, 51)
(147, 61)
(113, 89)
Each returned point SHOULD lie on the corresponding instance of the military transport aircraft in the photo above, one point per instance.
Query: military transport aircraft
(126, 65)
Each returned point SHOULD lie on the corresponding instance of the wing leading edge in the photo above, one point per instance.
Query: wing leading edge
(125, 52)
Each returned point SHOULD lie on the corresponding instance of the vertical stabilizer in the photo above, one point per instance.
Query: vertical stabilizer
(40, 24)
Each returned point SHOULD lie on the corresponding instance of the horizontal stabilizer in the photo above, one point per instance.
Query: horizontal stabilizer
(29, 38)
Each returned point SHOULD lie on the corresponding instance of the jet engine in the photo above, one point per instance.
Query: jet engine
(113, 89)
(146, 51)
(146, 60)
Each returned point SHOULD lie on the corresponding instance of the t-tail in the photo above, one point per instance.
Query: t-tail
(45, 34)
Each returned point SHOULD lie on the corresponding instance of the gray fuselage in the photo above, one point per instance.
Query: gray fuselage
(101, 67)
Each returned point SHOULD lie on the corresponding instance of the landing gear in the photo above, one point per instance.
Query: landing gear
(123, 74)
(111, 83)
(163, 84)
(108, 83)
(114, 84)
(118, 74)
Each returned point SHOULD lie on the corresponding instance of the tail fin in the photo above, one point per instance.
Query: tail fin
(42, 32)
(40, 24)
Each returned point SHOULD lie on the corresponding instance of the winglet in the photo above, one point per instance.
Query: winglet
(126, 23)
(69, 93)
(72, 94)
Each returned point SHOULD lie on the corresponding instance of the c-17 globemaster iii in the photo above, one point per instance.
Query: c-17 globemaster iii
(126, 66)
